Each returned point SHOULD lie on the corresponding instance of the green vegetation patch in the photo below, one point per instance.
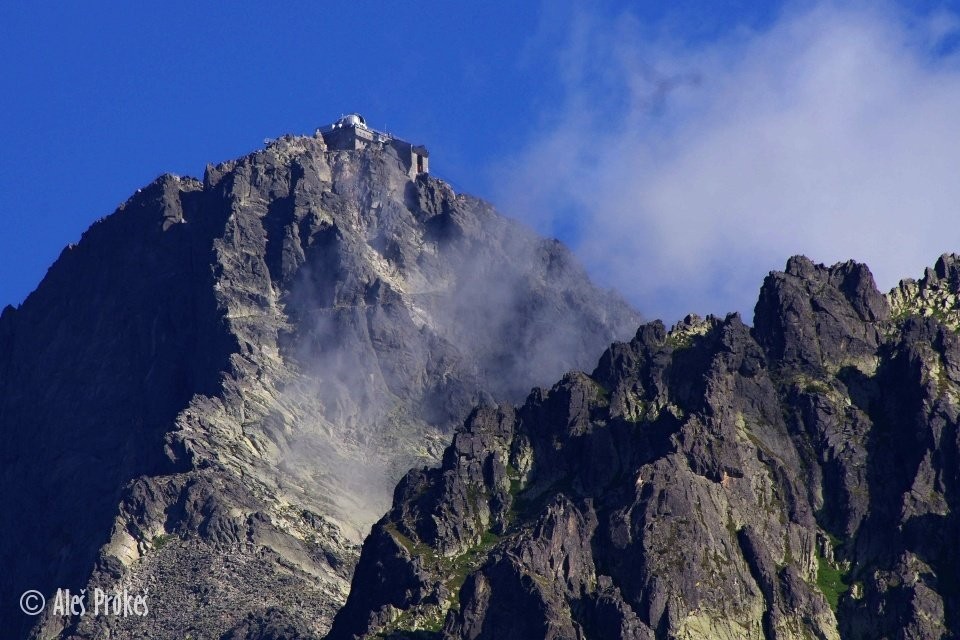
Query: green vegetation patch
(413, 548)
(831, 581)
(160, 541)
(602, 394)
(516, 480)
(680, 341)
(425, 622)
(463, 565)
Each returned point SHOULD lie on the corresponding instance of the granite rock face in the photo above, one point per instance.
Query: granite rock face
(210, 397)
(797, 479)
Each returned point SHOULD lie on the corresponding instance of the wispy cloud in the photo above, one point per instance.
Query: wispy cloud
(686, 172)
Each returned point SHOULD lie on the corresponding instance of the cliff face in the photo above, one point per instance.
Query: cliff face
(794, 480)
(212, 394)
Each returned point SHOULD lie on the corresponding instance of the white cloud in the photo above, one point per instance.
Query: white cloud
(695, 170)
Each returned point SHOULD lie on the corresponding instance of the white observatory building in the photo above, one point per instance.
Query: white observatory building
(351, 133)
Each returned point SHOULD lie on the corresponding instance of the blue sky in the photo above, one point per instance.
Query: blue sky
(517, 102)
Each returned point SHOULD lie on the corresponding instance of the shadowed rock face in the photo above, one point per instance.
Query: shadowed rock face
(794, 480)
(212, 395)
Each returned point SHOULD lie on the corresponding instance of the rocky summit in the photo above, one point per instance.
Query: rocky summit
(793, 480)
(209, 398)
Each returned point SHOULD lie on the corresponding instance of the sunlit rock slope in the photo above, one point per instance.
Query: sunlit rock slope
(211, 395)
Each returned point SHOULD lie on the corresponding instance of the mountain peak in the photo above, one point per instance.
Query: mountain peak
(222, 381)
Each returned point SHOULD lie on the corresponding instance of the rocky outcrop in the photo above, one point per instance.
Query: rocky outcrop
(935, 294)
(272, 624)
(793, 480)
(211, 396)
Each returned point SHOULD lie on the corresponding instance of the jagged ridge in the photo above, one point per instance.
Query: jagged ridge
(794, 480)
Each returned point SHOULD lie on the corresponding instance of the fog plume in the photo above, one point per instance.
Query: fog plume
(684, 172)
(405, 306)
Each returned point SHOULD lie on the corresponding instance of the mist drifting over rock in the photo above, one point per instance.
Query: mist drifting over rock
(212, 394)
(797, 479)
(216, 395)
